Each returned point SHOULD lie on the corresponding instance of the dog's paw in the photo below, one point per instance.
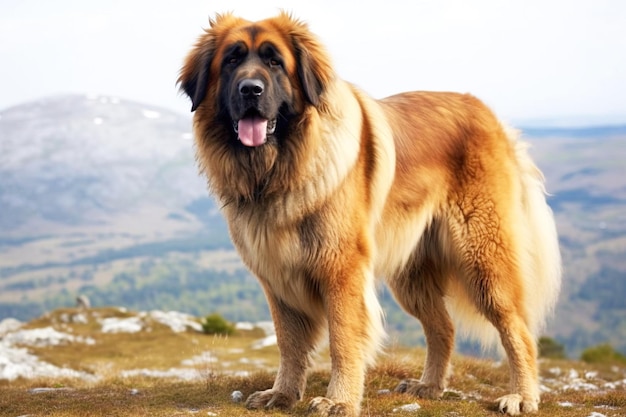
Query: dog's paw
(419, 389)
(325, 407)
(515, 404)
(270, 399)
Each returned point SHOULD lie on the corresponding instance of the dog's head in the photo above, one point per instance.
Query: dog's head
(254, 78)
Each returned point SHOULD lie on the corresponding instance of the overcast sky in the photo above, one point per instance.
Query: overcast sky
(528, 59)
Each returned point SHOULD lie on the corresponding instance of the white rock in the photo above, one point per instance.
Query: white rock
(244, 325)
(265, 342)
(236, 396)
(9, 325)
(18, 363)
(573, 374)
(117, 325)
(409, 408)
(184, 374)
(46, 389)
(555, 371)
(267, 327)
(177, 321)
(46, 336)
(203, 358)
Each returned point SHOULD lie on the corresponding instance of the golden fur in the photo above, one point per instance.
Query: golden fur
(425, 190)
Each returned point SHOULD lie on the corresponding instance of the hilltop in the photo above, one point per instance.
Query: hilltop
(112, 361)
(101, 196)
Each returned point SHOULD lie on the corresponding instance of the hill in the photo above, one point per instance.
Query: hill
(112, 361)
(90, 187)
(101, 196)
(586, 179)
(82, 160)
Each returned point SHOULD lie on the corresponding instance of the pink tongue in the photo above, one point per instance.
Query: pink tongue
(252, 131)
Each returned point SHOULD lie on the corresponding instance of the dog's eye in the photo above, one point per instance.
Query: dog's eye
(274, 62)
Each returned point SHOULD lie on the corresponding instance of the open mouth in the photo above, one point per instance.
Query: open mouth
(253, 130)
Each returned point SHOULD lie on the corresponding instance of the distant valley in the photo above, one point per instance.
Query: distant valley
(101, 196)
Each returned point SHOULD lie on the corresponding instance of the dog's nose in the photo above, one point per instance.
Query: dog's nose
(251, 87)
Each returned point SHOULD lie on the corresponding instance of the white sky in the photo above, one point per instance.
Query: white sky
(528, 59)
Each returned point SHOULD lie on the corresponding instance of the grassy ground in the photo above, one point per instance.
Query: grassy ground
(571, 388)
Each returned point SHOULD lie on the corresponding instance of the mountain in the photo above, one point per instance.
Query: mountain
(88, 183)
(585, 171)
(101, 196)
(77, 160)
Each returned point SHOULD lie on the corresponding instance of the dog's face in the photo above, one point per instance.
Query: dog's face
(254, 78)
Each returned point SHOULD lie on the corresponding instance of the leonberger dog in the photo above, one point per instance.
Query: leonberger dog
(325, 190)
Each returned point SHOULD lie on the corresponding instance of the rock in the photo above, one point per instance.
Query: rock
(184, 374)
(46, 389)
(116, 325)
(46, 336)
(244, 325)
(408, 408)
(265, 342)
(9, 325)
(82, 302)
(178, 322)
(236, 396)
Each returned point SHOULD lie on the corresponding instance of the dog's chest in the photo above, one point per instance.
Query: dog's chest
(278, 259)
(270, 251)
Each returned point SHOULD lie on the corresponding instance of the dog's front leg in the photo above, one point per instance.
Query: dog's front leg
(355, 327)
(297, 334)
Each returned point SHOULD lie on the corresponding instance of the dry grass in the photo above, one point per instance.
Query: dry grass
(474, 383)
(164, 397)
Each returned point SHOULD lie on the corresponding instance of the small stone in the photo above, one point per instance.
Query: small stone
(236, 396)
(46, 389)
(134, 391)
(384, 392)
(409, 408)
(40, 390)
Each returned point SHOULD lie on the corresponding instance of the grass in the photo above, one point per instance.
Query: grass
(474, 383)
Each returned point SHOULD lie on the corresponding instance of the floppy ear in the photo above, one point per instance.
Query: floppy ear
(194, 75)
(311, 83)
(313, 62)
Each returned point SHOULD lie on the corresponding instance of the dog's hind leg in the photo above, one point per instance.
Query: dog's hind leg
(499, 303)
(419, 289)
(489, 247)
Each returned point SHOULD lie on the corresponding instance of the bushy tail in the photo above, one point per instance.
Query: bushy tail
(542, 266)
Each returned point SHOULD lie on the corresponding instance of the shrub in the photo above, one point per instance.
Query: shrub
(602, 354)
(550, 348)
(216, 324)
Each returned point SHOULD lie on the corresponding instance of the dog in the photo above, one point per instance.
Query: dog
(326, 190)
